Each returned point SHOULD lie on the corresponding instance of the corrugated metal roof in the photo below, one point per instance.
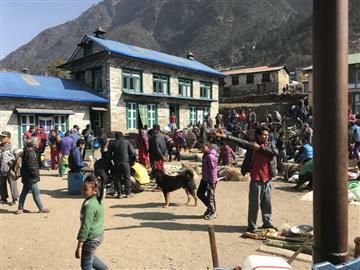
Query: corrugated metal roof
(44, 111)
(354, 58)
(154, 56)
(239, 71)
(40, 87)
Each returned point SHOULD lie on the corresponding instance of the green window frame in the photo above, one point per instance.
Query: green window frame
(131, 80)
(131, 115)
(151, 115)
(192, 114)
(185, 87)
(61, 122)
(161, 84)
(206, 90)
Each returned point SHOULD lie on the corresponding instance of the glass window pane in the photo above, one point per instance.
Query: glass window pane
(125, 82)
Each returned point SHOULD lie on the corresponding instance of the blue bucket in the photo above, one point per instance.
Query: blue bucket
(74, 183)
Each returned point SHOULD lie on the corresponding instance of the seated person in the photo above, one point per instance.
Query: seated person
(305, 175)
(227, 155)
(305, 153)
(76, 162)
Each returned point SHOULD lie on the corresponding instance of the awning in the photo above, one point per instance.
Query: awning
(99, 109)
(43, 111)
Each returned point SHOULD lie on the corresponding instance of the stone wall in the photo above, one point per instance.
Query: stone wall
(9, 117)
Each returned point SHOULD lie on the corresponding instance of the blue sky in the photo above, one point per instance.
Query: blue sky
(22, 20)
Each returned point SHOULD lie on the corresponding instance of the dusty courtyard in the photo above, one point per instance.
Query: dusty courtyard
(140, 234)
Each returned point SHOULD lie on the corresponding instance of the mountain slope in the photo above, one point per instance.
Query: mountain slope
(218, 32)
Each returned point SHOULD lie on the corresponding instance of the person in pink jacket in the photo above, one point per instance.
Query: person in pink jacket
(206, 190)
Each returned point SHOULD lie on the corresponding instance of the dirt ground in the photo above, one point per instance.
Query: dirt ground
(140, 234)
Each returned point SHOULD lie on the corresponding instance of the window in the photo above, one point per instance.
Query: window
(250, 79)
(131, 116)
(26, 122)
(185, 87)
(235, 80)
(151, 108)
(161, 84)
(146, 112)
(60, 122)
(97, 79)
(205, 90)
(193, 115)
(131, 80)
(356, 103)
(357, 76)
(96, 119)
(266, 77)
(198, 114)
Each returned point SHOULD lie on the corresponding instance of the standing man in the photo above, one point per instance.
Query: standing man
(260, 161)
(122, 153)
(65, 144)
(7, 160)
(157, 149)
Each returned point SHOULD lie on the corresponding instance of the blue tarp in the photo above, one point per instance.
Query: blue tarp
(154, 56)
(18, 85)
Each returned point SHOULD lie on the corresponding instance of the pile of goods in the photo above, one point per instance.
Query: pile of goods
(295, 238)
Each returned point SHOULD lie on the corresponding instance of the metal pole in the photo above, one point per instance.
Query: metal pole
(330, 50)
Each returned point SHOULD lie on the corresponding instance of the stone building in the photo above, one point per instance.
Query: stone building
(353, 83)
(144, 85)
(27, 100)
(241, 81)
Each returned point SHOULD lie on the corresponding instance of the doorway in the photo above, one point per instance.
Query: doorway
(174, 108)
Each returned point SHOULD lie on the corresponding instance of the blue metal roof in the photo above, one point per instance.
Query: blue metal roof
(19, 85)
(154, 56)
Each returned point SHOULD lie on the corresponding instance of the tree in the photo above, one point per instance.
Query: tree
(54, 71)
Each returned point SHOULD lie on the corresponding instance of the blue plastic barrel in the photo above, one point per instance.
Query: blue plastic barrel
(354, 264)
(74, 183)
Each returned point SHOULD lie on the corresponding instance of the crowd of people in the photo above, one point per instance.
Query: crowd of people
(269, 144)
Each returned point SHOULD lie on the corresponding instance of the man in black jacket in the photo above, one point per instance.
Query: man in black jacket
(260, 161)
(30, 175)
(122, 153)
(157, 149)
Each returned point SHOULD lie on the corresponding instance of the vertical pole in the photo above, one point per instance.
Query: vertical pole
(330, 52)
(214, 254)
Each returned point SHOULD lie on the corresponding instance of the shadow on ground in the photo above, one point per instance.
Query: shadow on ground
(141, 205)
(158, 216)
(59, 194)
(172, 226)
(6, 211)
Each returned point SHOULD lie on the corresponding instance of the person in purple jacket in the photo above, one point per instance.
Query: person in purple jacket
(65, 144)
(227, 155)
(206, 190)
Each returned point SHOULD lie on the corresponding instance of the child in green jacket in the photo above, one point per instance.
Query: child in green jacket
(91, 230)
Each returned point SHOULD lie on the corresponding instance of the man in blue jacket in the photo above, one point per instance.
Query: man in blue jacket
(76, 162)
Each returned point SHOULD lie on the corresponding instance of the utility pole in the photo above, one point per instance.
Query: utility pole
(330, 57)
